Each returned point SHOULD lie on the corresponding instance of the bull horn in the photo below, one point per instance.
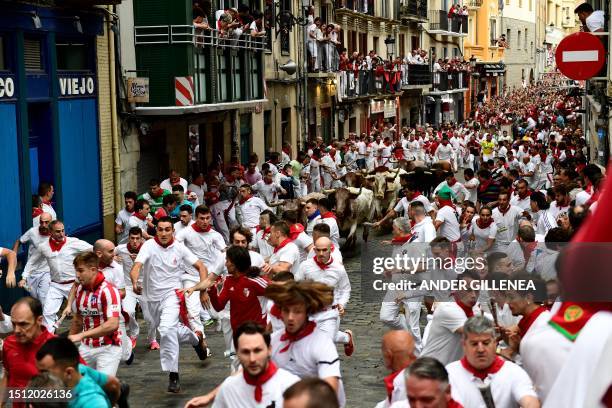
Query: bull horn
(330, 191)
(410, 172)
(428, 173)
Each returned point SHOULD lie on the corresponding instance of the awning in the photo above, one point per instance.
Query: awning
(493, 68)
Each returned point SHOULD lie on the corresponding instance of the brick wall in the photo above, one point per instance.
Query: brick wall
(104, 118)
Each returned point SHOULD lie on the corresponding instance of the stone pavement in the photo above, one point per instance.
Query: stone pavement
(362, 373)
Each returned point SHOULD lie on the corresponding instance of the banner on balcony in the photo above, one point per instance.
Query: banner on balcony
(183, 89)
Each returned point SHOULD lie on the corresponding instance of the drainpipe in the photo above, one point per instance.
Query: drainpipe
(114, 128)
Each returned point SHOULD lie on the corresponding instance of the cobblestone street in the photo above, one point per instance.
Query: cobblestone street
(362, 373)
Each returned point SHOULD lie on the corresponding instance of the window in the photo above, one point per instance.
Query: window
(285, 43)
(375, 44)
(32, 54)
(518, 40)
(493, 31)
(520, 3)
(526, 37)
(72, 56)
(202, 81)
(222, 83)
(237, 77)
(508, 35)
(256, 78)
(402, 46)
(530, 5)
(414, 42)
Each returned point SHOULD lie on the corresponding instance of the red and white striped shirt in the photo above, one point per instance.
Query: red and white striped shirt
(96, 305)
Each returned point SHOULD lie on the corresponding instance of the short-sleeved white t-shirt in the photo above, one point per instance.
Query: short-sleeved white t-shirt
(162, 268)
(508, 385)
(443, 343)
(450, 223)
(290, 254)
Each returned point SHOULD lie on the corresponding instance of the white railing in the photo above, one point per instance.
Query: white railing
(188, 34)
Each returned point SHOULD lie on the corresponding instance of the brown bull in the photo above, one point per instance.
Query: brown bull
(353, 207)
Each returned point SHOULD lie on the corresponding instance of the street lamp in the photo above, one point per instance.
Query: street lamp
(390, 43)
(473, 62)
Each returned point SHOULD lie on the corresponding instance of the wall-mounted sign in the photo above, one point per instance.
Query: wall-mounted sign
(389, 109)
(7, 87)
(377, 107)
(138, 90)
(76, 86)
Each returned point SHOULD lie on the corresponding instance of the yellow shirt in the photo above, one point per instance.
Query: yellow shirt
(487, 147)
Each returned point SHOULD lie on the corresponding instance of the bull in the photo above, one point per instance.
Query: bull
(353, 207)
(385, 186)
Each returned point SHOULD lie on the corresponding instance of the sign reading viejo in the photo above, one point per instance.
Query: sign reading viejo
(77, 86)
(7, 87)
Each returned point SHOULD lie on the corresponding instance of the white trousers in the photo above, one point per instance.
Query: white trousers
(129, 306)
(329, 323)
(38, 286)
(104, 359)
(194, 307)
(55, 296)
(165, 316)
(390, 316)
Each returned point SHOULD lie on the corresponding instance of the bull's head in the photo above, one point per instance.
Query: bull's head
(380, 185)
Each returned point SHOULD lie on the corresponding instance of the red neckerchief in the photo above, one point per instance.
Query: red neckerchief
(198, 229)
(498, 363)
(453, 404)
(295, 230)
(161, 192)
(47, 202)
(102, 265)
(140, 217)
(527, 321)
(292, 338)
(323, 266)
(36, 212)
(389, 382)
(502, 212)
(56, 246)
(593, 198)
(469, 312)
(282, 244)
(265, 230)
(484, 185)
(183, 313)
(44, 234)
(328, 214)
(134, 250)
(444, 203)
(413, 196)
(452, 182)
(483, 225)
(244, 199)
(572, 316)
(162, 245)
(97, 281)
(588, 188)
(524, 196)
(401, 240)
(276, 311)
(260, 379)
(543, 157)
(175, 183)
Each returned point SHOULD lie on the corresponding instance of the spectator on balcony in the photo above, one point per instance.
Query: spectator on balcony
(322, 47)
(331, 50)
(313, 48)
(228, 27)
(244, 16)
(465, 12)
(502, 42)
(200, 16)
(592, 20)
(257, 27)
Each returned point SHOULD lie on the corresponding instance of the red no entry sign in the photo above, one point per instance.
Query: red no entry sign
(580, 56)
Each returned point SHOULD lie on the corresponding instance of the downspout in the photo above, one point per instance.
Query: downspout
(114, 128)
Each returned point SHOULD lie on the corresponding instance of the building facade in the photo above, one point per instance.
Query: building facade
(54, 106)
(518, 24)
(483, 48)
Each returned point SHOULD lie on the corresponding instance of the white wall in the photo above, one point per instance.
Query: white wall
(513, 10)
(125, 11)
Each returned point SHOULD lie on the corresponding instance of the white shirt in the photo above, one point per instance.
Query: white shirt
(36, 263)
(524, 204)
(303, 241)
(507, 225)
(582, 197)
(207, 246)
(472, 187)
(235, 392)
(555, 210)
(312, 356)
(483, 235)
(336, 254)
(261, 243)
(179, 226)
(444, 152)
(458, 189)
(49, 209)
(115, 275)
(198, 190)
(134, 221)
(311, 223)
(123, 218)
(290, 254)
(267, 192)
(444, 343)
(333, 275)
(508, 385)
(166, 185)
(423, 231)
(595, 21)
(251, 210)
(127, 262)
(162, 268)
(404, 204)
(6, 326)
(334, 232)
(450, 223)
(60, 262)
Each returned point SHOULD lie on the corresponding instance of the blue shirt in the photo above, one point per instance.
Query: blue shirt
(88, 393)
(177, 210)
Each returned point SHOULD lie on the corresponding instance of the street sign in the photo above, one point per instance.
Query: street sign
(580, 56)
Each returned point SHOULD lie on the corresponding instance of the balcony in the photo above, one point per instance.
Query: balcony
(415, 10)
(212, 70)
(441, 23)
(357, 6)
(368, 84)
(473, 4)
(449, 82)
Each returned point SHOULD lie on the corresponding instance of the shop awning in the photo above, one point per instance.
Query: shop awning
(493, 68)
